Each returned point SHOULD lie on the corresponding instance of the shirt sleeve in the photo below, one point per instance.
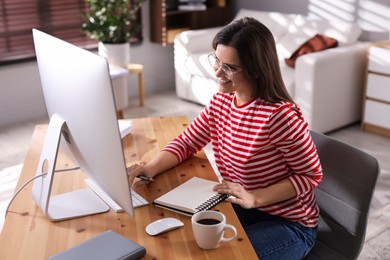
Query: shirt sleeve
(290, 135)
(192, 139)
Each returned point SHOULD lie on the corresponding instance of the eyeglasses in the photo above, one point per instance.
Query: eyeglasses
(229, 70)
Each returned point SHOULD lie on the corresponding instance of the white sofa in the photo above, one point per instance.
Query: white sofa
(327, 85)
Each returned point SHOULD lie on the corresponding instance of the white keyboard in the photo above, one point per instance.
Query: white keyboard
(137, 199)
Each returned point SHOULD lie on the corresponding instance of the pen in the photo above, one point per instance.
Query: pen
(145, 178)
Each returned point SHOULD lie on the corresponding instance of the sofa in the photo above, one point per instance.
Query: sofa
(326, 84)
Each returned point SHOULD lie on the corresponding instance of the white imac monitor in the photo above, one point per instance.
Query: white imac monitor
(80, 103)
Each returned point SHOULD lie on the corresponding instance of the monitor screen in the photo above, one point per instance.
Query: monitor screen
(80, 103)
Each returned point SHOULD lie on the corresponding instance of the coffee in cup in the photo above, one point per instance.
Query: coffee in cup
(208, 228)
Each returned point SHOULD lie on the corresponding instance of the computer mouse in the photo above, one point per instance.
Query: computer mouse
(163, 225)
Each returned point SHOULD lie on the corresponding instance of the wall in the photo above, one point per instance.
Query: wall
(284, 6)
(21, 96)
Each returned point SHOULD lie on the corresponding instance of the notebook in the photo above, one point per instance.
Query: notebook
(191, 196)
(106, 246)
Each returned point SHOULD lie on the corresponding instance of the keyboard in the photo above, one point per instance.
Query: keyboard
(137, 199)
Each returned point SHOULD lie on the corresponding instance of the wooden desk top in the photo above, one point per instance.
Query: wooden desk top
(27, 234)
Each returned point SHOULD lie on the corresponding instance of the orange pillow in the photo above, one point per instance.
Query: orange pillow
(319, 42)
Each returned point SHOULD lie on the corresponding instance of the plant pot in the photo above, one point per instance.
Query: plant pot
(117, 54)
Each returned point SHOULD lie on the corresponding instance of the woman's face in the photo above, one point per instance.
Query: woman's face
(229, 72)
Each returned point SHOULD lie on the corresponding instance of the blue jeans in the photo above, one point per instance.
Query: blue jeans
(273, 237)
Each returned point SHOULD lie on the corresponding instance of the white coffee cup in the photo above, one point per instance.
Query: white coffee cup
(208, 228)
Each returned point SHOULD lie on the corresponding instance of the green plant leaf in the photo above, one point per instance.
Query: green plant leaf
(111, 21)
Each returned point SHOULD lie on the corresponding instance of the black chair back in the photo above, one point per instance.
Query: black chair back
(344, 197)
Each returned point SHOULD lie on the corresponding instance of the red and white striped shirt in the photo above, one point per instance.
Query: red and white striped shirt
(256, 145)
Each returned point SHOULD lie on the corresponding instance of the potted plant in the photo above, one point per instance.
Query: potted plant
(112, 23)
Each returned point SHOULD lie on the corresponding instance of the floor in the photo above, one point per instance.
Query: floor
(15, 139)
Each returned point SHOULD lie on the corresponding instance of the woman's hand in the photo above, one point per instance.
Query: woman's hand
(240, 196)
(132, 172)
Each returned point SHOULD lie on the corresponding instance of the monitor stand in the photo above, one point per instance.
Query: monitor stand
(68, 205)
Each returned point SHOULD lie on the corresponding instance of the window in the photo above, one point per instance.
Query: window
(60, 18)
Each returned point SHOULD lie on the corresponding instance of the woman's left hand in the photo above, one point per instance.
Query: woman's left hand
(239, 195)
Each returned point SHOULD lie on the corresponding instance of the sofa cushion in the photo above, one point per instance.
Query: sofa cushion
(276, 22)
(197, 64)
(197, 41)
(303, 28)
(318, 42)
(345, 33)
(291, 42)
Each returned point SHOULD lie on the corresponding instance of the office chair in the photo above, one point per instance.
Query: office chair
(344, 197)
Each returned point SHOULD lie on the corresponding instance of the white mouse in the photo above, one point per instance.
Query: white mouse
(163, 225)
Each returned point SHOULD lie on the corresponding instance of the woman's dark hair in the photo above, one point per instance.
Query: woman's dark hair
(256, 49)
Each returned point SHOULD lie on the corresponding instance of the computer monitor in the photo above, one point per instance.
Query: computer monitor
(80, 103)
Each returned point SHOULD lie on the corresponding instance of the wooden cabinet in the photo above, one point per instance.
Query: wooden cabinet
(166, 21)
(376, 103)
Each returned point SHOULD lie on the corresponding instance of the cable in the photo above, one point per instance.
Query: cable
(30, 180)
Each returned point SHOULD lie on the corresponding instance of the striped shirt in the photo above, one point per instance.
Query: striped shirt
(256, 145)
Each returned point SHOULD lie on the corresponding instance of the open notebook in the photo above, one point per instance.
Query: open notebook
(190, 197)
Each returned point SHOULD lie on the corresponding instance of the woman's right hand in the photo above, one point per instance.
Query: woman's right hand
(132, 172)
(162, 162)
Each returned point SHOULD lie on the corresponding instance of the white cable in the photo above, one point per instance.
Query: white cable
(30, 180)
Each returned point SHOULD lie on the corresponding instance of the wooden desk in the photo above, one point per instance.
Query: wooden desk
(27, 234)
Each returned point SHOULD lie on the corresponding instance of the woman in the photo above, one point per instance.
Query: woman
(261, 144)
